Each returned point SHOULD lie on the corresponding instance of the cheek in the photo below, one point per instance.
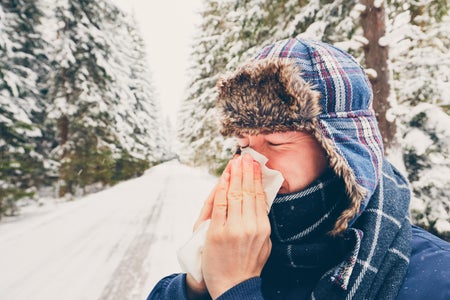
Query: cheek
(292, 170)
(298, 171)
(297, 178)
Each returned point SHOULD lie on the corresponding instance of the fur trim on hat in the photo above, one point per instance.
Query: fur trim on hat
(266, 96)
(269, 95)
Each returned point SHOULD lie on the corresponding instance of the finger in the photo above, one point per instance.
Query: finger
(234, 194)
(220, 205)
(248, 188)
(206, 210)
(261, 201)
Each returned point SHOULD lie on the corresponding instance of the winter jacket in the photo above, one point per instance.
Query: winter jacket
(428, 277)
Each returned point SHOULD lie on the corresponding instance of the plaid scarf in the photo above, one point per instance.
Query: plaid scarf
(368, 261)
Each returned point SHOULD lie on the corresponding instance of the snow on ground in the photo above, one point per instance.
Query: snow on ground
(115, 244)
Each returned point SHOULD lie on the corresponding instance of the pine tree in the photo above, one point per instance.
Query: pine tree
(101, 100)
(80, 95)
(77, 102)
(141, 111)
(373, 21)
(418, 36)
(21, 61)
(136, 117)
(200, 141)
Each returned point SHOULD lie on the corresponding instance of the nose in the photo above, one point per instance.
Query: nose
(258, 144)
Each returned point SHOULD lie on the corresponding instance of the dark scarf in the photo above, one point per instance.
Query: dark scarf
(368, 261)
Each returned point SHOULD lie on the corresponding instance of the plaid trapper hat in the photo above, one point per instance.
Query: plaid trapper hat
(304, 85)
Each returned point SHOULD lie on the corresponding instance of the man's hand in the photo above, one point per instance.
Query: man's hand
(198, 290)
(238, 240)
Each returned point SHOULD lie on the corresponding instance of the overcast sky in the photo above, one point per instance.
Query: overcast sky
(167, 28)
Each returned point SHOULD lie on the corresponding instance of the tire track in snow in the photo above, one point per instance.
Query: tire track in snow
(128, 279)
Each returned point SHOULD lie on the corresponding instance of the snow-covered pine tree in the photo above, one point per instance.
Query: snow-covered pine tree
(200, 141)
(79, 98)
(76, 98)
(419, 39)
(101, 101)
(373, 21)
(169, 139)
(22, 62)
(137, 117)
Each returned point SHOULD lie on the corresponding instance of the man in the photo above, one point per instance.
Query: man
(339, 227)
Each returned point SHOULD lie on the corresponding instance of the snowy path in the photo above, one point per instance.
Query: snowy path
(114, 244)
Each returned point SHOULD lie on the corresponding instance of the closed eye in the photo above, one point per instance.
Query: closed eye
(275, 144)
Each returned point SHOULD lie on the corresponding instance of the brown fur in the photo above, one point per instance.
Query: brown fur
(270, 89)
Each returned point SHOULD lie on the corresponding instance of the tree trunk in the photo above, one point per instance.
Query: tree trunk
(376, 57)
(63, 130)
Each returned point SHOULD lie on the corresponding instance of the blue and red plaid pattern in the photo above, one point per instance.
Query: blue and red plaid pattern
(347, 118)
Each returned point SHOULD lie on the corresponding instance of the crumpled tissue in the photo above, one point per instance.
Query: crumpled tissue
(189, 255)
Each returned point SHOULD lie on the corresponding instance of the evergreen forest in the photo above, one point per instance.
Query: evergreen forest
(79, 110)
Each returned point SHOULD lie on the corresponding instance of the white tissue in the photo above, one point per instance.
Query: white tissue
(271, 179)
(189, 255)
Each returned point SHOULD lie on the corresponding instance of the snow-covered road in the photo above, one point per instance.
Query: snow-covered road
(114, 244)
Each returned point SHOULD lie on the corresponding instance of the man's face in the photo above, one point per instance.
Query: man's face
(297, 155)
